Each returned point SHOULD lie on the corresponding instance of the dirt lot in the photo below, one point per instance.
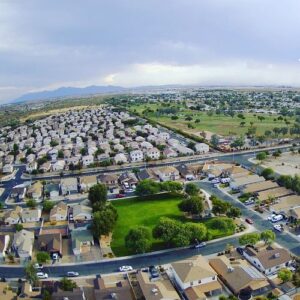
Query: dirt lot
(286, 164)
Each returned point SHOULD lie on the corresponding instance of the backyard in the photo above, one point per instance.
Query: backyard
(147, 212)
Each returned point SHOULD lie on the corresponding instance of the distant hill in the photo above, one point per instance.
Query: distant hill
(69, 92)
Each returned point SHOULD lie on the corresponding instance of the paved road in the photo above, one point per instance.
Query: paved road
(286, 240)
(113, 265)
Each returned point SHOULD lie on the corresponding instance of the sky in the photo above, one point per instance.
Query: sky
(53, 43)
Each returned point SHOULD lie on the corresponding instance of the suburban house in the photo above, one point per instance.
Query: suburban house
(147, 174)
(269, 260)
(13, 216)
(195, 275)
(87, 160)
(31, 166)
(201, 148)
(153, 153)
(4, 241)
(52, 190)
(110, 180)
(239, 275)
(18, 192)
(128, 179)
(23, 243)
(120, 158)
(169, 152)
(254, 188)
(59, 212)
(82, 212)
(240, 182)
(68, 185)
(58, 166)
(87, 182)
(51, 243)
(188, 172)
(82, 240)
(31, 215)
(274, 193)
(136, 155)
(284, 204)
(35, 190)
(167, 173)
(7, 169)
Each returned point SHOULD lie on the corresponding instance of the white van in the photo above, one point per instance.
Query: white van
(225, 180)
(277, 218)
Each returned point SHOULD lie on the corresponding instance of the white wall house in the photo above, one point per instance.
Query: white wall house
(153, 153)
(167, 173)
(201, 148)
(87, 160)
(29, 215)
(136, 155)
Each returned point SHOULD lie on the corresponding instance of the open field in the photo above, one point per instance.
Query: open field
(137, 212)
(219, 124)
(287, 164)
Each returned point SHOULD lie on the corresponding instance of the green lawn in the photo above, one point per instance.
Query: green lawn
(220, 124)
(137, 212)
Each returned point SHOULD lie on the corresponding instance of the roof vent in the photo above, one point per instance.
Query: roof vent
(277, 255)
(230, 269)
(154, 290)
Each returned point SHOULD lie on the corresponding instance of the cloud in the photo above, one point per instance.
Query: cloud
(50, 43)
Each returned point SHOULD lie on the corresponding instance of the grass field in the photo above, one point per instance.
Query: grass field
(137, 212)
(219, 124)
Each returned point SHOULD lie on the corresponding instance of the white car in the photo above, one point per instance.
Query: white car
(277, 218)
(200, 245)
(42, 275)
(125, 268)
(271, 217)
(38, 266)
(278, 227)
(72, 274)
(216, 180)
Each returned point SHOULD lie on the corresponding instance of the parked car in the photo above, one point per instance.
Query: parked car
(271, 217)
(154, 272)
(72, 274)
(125, 268)
(249, 221)
(278, 227)
(215, 180)
(120, 196)
(250, 201)
(38, 266)
(200, 245)
(277, 218)
(225, 180)
(129, 190)
(42, 275)
(240, 250)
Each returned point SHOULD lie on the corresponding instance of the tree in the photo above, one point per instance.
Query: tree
(261, 156)
(249, 238)
(196, 231)
(285, 274)
(98, 193)
(42, 257)
(268, 236)
(219, 207)
(67, 284)
(30, 272)
(268, 173)
(31, 203)
(138, 240)
(47, 205)
(233, 212)
(214, 140)
(18, 227)
(166, 229)
(192, 189)
(147, 187)
(104, 221)
(172, 186)
(193, 205)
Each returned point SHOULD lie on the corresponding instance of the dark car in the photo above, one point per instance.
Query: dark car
(240, 250)
(249, 221)
(120, 196)
(153, 271)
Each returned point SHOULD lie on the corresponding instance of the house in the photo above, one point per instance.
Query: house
(86, 182)
(4, 241)
(51, 190)
(188, 172)
(160, 288)
(45, 167)
(284, 204)
(68, 185)
(147, 174)
(136, 155)
(58, 166)
(120, 158)
(269, 260)
(110, 180)
(35, 190)
(7, 169)
(31, 215)
(18, 192)
(274, 193)
(82, 240)
(23, 243)
(128, 179)
(31, 166)
(167, 173)
(201, 148)
(240, 182)
(196, 274)
(51, 243)
(169, 152)
(82, 212)
(59, 212)
(13, 216)
(87, 160)
(107, 287)
(153, 153)
(239, 275)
